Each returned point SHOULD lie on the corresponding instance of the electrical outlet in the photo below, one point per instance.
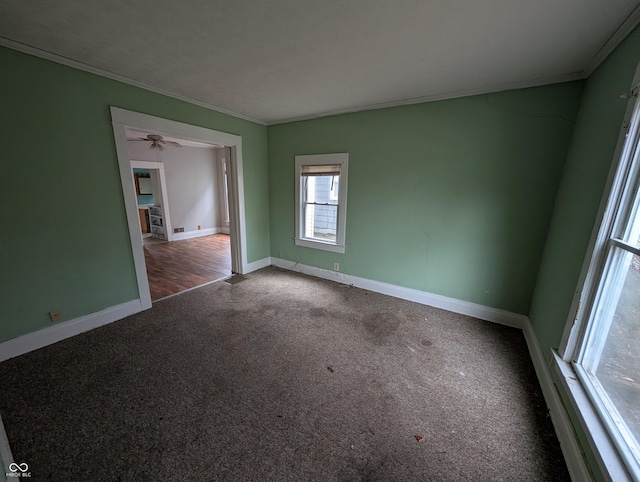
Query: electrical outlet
(198, 227)
(336, 266)
(55, 315)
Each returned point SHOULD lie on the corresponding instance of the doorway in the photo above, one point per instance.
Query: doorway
(183, 212)
(150, 184)
(123, 120)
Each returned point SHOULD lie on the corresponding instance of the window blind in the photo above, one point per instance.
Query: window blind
(320, 170)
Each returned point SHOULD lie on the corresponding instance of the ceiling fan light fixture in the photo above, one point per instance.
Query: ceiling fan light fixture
(156, 145)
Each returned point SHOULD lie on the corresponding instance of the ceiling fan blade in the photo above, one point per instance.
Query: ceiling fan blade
(176, 144)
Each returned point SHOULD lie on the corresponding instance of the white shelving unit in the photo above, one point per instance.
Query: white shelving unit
(156, 219)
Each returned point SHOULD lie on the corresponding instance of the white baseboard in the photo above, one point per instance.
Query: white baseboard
(47, 336)
(256, 265)
(197, 233)
(571, 449)
(495, 315)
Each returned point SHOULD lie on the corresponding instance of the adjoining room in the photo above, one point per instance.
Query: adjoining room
(183, 204)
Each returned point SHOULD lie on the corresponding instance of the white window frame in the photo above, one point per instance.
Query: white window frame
(341, 159)
(599, 418)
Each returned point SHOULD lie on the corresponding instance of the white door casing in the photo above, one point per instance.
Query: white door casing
(122, 119)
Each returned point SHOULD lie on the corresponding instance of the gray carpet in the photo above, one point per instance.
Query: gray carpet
(282, 377)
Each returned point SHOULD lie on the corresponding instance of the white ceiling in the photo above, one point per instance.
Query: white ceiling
(279, 60)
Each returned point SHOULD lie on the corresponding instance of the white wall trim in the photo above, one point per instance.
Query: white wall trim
(618, 36)
(237, 224)
(256, 265)
(43, 54)
(171, 128)
(198, 233)
(60, 331)
(135, 163)
(27, 49)
(133, 219)
(487, 313)
(438, 97)
(569, 444)
(625, 28)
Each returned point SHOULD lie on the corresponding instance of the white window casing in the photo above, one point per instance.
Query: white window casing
(330, 209)
(580, 363)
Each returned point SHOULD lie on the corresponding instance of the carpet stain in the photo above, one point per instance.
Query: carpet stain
(319, 312)
(380, 326)
(260, 336)
(227, 314)
(426, 343)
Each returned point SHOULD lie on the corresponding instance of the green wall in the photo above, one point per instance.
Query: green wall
(451, 197)
(65, 242)
(587, 167)
(579, 196)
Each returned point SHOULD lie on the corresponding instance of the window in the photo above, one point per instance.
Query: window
(321, 201)
(605, 345)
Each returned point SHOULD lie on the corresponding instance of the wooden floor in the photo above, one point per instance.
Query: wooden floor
(179, 265)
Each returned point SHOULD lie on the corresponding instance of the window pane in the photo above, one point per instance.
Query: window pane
(630, 218)
(613, 353)
(334, 188)
(318, 189)
(321, 222)
(631, 234)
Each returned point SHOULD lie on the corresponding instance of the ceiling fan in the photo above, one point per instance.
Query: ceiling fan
(157, 142)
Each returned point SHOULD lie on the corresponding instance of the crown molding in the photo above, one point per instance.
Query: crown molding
(43, 54)
(443, 96)
(625, 28)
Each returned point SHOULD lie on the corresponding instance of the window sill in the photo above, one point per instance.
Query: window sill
(607, 455)
(308, 243)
